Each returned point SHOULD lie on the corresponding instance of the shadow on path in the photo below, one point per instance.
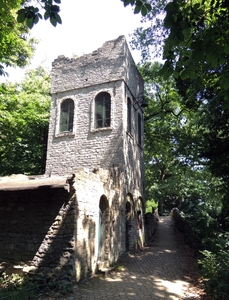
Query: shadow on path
(157, 272)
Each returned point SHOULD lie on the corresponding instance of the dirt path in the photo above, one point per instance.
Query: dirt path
(162, 271)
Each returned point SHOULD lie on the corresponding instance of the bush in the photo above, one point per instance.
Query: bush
(212, 246)
(15, 286)
(214, 267)
(22, 287)
(151, 205)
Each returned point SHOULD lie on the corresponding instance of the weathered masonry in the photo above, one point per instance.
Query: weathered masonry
(88, 208)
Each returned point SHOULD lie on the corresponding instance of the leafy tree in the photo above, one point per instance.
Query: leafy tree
(31, 14)
(195, 48)
(167, 124)
(142, 6)
(150, 38)
(24, 114)
(18, 16)
(16, 47)
(177, 175)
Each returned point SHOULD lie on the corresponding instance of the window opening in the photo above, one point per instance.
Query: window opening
(102, 110)
(66, 115)
(128, 115)
(139, 129)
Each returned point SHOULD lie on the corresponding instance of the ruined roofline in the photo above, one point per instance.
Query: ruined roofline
(105, 49)
(112, 62)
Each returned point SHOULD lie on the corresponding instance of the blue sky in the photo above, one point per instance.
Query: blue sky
(87, 24)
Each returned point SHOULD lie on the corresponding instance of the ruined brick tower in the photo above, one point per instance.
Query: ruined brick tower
(96, 133)
(96, 119)
(88, 208)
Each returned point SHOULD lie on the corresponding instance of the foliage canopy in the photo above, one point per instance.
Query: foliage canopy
(16, 47)
(194, 42)
(24, 115)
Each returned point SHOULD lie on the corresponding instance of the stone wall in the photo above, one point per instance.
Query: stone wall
(85, 147)
(112, 62)
(110, 69)
(151, 225)
(37, 229)
(56, 232)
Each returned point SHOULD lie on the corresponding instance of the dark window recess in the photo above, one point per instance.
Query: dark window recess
(103, 110)
(66, 115)
(139, 129)
(128, 115)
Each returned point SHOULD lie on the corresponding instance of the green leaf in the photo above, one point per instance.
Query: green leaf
(53, 21)
(184, 74)
(46, 15)
(58, 18)
(21, 17)
(29, 22)
(144, 11)
(148, 6)
(36, 19)
(137, 9)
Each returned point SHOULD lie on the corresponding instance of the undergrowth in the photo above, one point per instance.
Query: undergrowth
(211, 245)
(23, 287)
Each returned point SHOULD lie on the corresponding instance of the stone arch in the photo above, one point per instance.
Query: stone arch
(103, 229)
(129, 217)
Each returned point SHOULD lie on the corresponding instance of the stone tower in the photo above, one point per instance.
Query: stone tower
(96, 119)
(88, 209)
(96, 134)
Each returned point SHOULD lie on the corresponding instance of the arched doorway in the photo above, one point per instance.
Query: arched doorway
(140, 220)
(103, 231)
(129, 215)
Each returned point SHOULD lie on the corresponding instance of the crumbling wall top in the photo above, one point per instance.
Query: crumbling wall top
(109, 63)
(110, 49)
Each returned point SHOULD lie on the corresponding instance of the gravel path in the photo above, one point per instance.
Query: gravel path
(163, 270)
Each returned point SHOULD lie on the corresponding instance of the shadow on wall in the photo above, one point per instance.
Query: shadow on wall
(48, 230)
(117, 226)
(55, 254)
(38, 232)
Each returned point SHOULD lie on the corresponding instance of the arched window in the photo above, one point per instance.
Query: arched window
(66, 115)
(139, 129)
(128, 115)
(103, 110)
